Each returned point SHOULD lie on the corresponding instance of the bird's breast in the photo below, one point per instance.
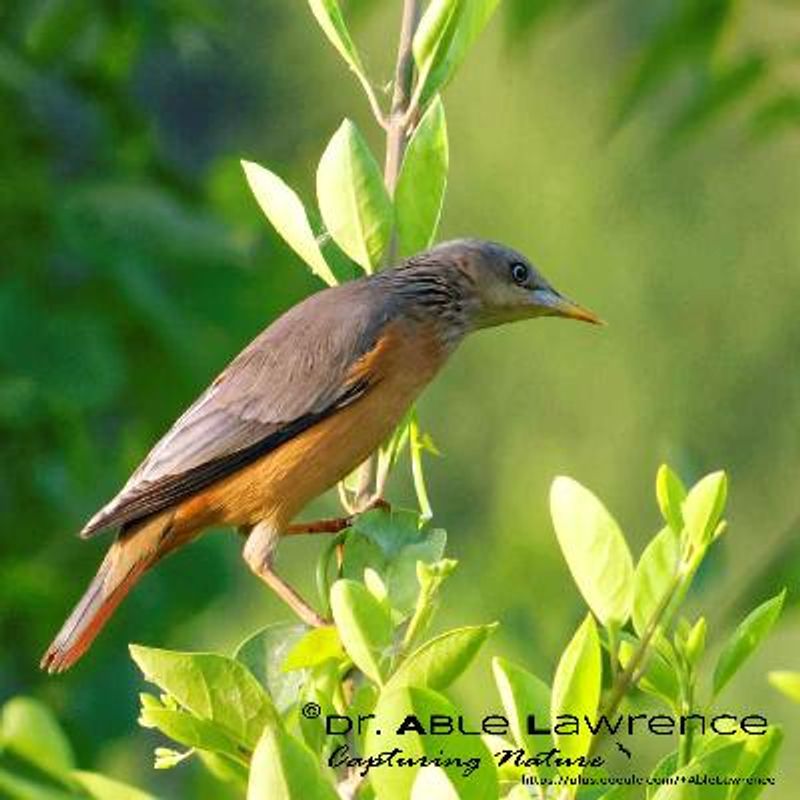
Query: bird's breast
(404, 359)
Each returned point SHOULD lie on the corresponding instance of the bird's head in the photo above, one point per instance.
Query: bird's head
(505, 286)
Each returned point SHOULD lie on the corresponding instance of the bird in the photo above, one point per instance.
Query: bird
(306, 402)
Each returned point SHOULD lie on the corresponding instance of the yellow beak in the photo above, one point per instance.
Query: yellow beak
(572, 310)
(559, 306)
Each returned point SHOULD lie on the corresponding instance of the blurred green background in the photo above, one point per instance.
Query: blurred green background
(646, 156)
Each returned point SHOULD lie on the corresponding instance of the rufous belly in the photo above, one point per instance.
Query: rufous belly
(277, 487)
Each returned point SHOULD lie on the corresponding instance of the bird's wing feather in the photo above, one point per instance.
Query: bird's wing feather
(300, 370)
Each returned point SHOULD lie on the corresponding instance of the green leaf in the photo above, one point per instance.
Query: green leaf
(507, 772)
(283, 768)
(576, 688)
(595, 550)
(189, 730)
(225, 769)
(30, 730)
(264, 654)
(375, 584)
(99, 787)
(703, 507)
(330, 19)
(16, 787)
(438, 662)
(433, 782)
(665, 767)
(365, 698)
(401, 577)
(430, 577)
(390, 530)
(518, 792)
(315, 647)
(617, 793)
(432, 41)
(659, 679)
(745, 639)
(696, 642)
(395, 716)
(210, 686)
(353, 199)
(670, 493)
(786, 682)
(361, 553)
(325, 677)
(365, 627)
(391, 543)
(718, 761)
(313, 728)
(446, 32)
(757, 761)
(284, 209)
(654, 576)
(419, 195)
(522, 694)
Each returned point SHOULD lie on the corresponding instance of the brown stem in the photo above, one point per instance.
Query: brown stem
(396, 139)
(403, 80)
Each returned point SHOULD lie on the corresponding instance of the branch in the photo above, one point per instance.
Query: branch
(403, 80)
(396, 140)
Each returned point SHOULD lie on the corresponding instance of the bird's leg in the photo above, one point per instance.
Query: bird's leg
(376, 501)
(259, 551)
(336, 524)
(291, 598)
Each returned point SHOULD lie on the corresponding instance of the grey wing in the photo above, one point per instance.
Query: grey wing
(294, 374)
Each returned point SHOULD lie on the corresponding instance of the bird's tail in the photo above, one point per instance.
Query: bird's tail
(135, 550)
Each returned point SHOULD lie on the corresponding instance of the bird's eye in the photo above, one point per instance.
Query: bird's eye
(519, 272)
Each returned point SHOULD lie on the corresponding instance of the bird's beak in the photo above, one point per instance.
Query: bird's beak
(554, 304)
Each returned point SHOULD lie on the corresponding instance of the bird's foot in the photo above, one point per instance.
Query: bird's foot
(376, 501)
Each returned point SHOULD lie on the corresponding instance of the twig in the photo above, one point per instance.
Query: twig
(403, 81)
(632, 673)
(686, 737)
(396, 139)
(374, 105)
